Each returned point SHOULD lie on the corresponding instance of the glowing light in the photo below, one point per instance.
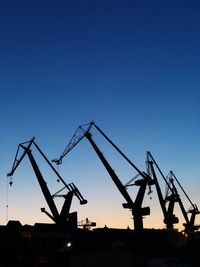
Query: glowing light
(69, 244)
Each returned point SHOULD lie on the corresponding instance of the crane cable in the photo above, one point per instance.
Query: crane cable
(10, 183)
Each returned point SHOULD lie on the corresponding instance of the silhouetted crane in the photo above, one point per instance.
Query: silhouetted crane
(86, 224)
(169, 218)
(189, 224)
(171, 197)
(64, 218)
(136, 207)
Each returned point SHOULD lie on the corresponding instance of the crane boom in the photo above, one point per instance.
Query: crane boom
(120, 152)
(76, 138)
(72, 188)
(173, 175)
(18, 161)
(116, 180)
(43, 186)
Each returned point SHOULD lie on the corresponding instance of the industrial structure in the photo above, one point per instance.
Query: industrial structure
(63, 218)
(136, 208)
(172, 197)
(72, 243)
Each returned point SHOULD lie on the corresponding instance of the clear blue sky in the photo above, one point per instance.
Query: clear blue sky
(131, 66)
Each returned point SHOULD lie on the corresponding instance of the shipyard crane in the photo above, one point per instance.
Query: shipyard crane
(64, 218)
(136, 207)
(189, 224)
(86, 224)
(169, 218)
(172, 196)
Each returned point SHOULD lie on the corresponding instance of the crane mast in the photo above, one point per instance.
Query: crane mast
(136, 207)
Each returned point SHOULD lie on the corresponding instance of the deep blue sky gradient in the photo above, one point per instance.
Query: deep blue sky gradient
(131, 66)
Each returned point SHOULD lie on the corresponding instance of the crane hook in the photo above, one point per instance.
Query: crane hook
(10, 182)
